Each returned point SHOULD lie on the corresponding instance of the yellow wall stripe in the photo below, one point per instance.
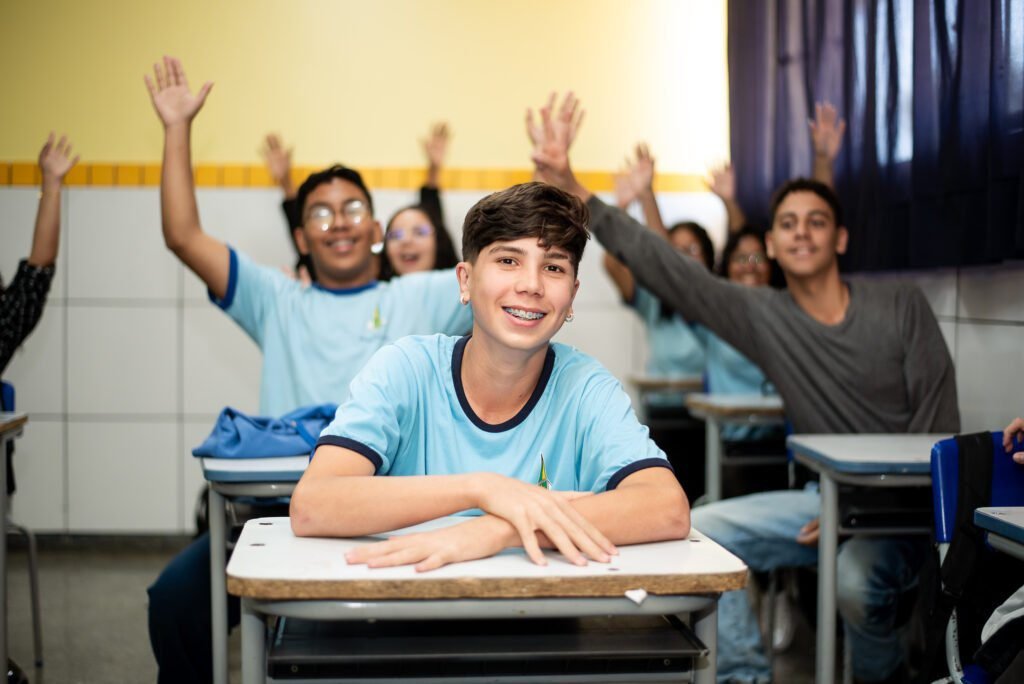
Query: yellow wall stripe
(255, 176)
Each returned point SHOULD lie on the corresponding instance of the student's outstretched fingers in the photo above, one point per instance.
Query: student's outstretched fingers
(583, 535)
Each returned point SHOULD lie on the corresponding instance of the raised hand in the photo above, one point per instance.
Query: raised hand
(172, 99)
(827, 129)
(723, 182)
(278, 160)
(531, 509)
(641, 172)
(55, 159)
(624, 194)
(478, 538)
(551, 137)
(435, 146)
(1014, 429)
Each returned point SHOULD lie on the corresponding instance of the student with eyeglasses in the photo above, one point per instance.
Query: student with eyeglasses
(314, 339)
(416, 238)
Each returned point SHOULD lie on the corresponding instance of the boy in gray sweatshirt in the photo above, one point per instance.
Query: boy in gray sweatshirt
(847, 356)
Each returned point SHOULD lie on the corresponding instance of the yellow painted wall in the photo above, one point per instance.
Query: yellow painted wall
(360, 81)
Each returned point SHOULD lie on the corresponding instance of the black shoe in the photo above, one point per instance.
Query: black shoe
(15, 674)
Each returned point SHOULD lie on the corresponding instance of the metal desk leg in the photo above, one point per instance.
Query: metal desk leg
(254, 645)
(218, 585)
(3, 554)
(712, 459)
(705, 626)
(827, 545)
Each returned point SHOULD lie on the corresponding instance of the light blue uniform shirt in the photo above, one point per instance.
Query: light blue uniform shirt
(730, 372)
(407, 413)
(315, 340)
(674, 349)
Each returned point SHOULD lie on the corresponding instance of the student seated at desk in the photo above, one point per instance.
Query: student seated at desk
(314, 339)
(537, 436)
(847, 356)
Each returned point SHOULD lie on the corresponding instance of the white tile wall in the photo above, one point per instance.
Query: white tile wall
(993, 293)
(150, 361)
(39, 468)
(221, 363)
(124, 477)
(123, 360)
(990, 360)
(37, 368)
(115, 248)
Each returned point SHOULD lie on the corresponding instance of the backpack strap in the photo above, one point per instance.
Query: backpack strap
(974, 489)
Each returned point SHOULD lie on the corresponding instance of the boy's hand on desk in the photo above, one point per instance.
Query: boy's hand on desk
(531, 509)
(478, 538)
(809, 533)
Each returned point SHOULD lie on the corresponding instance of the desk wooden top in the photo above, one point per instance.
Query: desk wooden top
(270, 563)
(649, 383)
(869, 454)
(10, 422)
(736, 405)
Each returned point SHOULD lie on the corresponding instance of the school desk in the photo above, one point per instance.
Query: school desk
(278, 574)
(11, 427)
(879, 460)
(729, 409)
(237, 478)
(1005, 527)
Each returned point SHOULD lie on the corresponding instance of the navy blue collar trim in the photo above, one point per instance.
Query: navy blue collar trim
(346, 290)
(538, 391)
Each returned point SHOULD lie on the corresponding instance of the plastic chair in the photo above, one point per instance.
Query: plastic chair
(7, 396)
(1007, 490)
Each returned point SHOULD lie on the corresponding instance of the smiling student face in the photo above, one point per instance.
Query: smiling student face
(520, 292)
(804, 237)
(411, 242)
(337, 232)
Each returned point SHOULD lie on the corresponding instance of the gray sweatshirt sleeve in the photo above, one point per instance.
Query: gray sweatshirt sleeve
(927, 368)
(727, 309)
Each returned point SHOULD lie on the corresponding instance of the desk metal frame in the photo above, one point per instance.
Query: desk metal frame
(702, 608)
(12, 425)
(828, 545)
(986, 518)
(702, 406)
(220, 494)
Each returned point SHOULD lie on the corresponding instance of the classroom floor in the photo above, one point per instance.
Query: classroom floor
(94, 614)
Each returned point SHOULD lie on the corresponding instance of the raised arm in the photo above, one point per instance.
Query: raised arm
(435, 148)
(827, 129)
(641, 177)
(279, 164)
(728, 309)
(176, 106)
(723, 184)
(54, 162)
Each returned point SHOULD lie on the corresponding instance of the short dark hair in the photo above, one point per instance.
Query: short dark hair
(554, 217)
(808, 185)
(698, 232)
(444, 249)
(326, 176)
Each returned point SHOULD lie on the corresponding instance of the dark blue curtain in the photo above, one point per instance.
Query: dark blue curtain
(932, 167)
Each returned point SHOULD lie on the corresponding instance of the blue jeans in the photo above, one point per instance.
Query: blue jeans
(872, 575)
(180, 626)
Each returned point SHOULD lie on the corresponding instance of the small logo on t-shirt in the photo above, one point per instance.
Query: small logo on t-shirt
(543, 480)
(376, 322)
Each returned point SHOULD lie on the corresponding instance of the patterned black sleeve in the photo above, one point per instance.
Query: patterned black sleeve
(21, 306)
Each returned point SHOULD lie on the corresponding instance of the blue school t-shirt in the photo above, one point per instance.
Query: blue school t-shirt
(314, 340)
(408, 415)
(730, 372)
(673, 348)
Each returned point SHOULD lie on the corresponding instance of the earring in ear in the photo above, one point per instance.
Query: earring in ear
(377, 247)
(464, 298)
(570, 318)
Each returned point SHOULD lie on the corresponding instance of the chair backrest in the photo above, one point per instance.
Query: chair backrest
(1007, 482)
(6, 396)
